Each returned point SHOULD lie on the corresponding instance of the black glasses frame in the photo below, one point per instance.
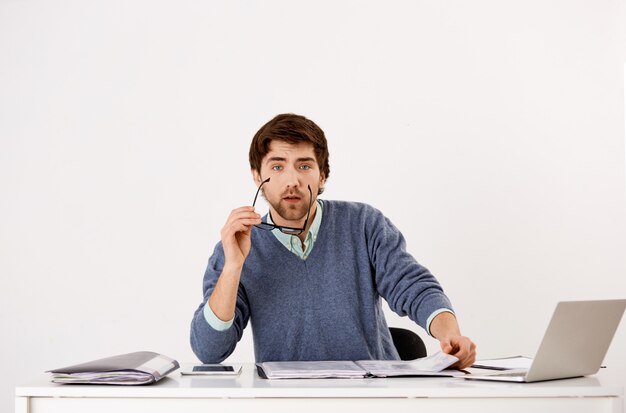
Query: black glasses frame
(285, 230)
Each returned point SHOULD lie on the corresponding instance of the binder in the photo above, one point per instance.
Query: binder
(435, 365)
(141, 367)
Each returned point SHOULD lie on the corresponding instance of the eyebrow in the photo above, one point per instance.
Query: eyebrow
(281, 159)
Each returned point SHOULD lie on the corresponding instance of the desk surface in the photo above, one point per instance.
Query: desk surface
(249, 385)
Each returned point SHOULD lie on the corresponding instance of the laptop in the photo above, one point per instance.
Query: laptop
(574, 344)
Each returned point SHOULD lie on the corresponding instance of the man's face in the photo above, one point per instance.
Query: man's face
(291, 168)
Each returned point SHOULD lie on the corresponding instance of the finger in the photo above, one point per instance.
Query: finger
(242, 209)
(243, 234)
(464, 362)
(249, 218)
(447, 348)
(463, 349)
(450, 347)
(243, 224)
(234, 215)
(248, 221)
(467, 356)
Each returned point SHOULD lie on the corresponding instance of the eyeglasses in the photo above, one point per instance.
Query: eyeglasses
(285, 230)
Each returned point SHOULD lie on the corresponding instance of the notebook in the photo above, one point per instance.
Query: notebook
(574, 344)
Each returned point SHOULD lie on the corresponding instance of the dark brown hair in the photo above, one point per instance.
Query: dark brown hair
(293, 129)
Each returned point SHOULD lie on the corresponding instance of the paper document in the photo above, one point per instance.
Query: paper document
(434, 365)
(142, 367)
(506, 363)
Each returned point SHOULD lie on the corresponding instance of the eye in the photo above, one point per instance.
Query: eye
(276, 168)
(305, 167)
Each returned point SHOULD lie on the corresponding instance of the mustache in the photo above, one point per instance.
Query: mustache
(292, 193)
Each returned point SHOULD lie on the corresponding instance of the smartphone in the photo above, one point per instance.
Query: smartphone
(211, 369)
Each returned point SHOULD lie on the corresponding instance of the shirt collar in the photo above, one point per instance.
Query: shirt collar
(285, 239)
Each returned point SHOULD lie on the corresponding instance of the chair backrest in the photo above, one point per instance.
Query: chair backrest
(409, 345)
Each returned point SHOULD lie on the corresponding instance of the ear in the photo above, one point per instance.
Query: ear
(322, 181)
(256, 176)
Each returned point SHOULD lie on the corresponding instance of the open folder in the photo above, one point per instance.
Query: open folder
(434, 365)
(141, 367)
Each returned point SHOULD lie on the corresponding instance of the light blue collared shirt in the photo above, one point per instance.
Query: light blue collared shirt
(293, 243)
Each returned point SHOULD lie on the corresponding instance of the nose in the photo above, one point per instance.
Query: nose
(291, 179)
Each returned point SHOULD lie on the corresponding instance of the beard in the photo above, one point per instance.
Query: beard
(291, 212)
(287, 211)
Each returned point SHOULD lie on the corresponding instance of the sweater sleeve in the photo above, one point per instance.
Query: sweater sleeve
(408, 287)
(209, 344)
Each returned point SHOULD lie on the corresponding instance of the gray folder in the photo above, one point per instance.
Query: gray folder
(141, 367)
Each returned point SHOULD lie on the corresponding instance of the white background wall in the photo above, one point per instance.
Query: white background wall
(490, 132)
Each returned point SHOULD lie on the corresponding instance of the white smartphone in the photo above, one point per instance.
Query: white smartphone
(210, 369)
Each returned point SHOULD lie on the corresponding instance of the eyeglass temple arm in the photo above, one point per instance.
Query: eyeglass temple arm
(310, 205)
(258, 190)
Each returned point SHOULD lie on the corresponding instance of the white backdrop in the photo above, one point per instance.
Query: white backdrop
(490, 132)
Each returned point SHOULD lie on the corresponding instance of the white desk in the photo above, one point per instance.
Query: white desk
(248, 392)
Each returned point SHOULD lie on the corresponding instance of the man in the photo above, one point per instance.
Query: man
(310, 275)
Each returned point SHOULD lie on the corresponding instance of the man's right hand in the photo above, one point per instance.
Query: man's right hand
(236, 243)
(236, 235)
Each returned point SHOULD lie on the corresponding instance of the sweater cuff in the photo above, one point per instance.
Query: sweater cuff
(431, 318)
(214, 321)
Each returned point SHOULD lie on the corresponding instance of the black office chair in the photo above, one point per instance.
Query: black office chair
(409, 345)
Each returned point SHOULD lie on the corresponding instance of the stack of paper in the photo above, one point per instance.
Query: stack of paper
(311, 369)
(142, 367)
(434, 365)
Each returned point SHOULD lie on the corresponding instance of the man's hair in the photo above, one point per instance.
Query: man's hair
(293, 129)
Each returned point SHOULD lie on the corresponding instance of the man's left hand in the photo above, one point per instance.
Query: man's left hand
(460, 347)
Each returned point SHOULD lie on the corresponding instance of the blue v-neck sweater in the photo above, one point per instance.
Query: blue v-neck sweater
(327, 307)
